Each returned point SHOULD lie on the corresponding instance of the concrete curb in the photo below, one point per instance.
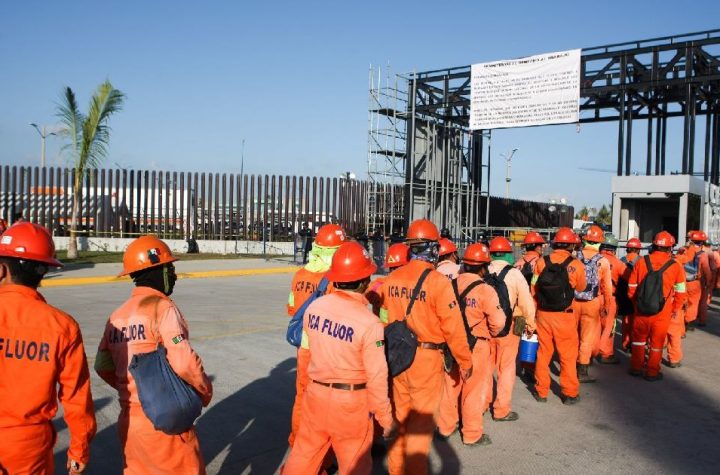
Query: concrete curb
(111, 279)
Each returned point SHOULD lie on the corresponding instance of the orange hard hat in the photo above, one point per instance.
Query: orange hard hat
(30, 242)
(594, 234)
(565, 236)
(664, 239)
(146, 252)
(477, 253)
(422, 230)
(330, 235)
(634, 243)
(350, 263)
(397, 255)
(446, 247)
(500, 244)
(533, 238)
(699, 236)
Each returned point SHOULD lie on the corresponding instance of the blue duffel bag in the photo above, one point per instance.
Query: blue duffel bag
(171, 404)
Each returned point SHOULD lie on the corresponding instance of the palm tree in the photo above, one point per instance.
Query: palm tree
(87, 140)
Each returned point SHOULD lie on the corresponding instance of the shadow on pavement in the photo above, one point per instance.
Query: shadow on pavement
(252, 424)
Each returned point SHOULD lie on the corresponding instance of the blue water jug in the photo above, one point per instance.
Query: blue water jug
(528, 348)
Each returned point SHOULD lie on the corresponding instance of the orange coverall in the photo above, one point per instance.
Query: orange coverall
(42, 360)
(435, 319)
(486, 319)
(655, 327)
(707, 274)
(303, 286)
(449, 269)
(374, 295)
(716, 257)
(504, 350)
(630, 260)
(605, 342)
(146, 319)
(694, 289)
(558, 331)
(347, 344)
(591, 313)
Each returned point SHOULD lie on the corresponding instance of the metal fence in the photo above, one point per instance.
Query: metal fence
(181, 205)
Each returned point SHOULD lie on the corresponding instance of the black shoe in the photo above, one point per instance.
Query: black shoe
(689, 327)
(635, 372)
(583, 376)
(674, 365)
(484, 440)
(702, 325)
(569, 401)
(440, 436)
(511, 416)
(657, 377)
(627, 350)
(538, 398)
(609, 360)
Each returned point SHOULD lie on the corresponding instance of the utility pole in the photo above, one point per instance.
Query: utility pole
(508, 159)
(43, 136)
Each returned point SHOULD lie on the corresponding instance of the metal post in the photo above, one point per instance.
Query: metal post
(628, 143)
(621, 136)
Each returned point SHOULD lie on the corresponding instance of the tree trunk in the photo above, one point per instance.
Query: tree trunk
(72, 252)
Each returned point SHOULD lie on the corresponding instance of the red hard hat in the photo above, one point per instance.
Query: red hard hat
(330, 235)
(500, 244)
(533, 238)
(565, 236)
(664, 239)
(447, 247)
(634, 243)
(30, 242)
(350, 263)
(477, 253)
(397, 255)
(422, 230)
(146, 252)
(699, 236)
(594, 234)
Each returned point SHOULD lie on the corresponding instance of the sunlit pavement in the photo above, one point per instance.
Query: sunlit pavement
(622, 424)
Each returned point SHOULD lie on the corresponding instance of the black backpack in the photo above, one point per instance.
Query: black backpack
(552, 289)
(649, 299)
(527, 270)
(497, 282)
(401, 342)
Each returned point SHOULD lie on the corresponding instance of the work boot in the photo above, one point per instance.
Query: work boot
(674, 365)
(583, 376)
(690, 327)
(657, 377)
(484, 440)
(511, 416)
(569, 401)
(539, 398)
(635, 372)
(701, 325)
(608, 360)
(440, 436)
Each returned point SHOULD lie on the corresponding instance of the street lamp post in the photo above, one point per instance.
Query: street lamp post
(43, 136)
(508, 159)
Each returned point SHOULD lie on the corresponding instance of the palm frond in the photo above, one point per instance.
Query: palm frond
(95, 131)
(71, 119)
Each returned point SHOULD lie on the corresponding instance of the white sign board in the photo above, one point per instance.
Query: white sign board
(537, 90)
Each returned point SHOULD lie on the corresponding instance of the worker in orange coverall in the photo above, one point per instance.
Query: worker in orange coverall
(42, 360)
(707, 271)
(396, 257)
(605, 343)
(436, 321)
(147, 319)
(448, 261)
(556, 320)
(504, 349)
(486, 319)
(348, 373)
(533, 243)
(592, 304)
(689, 257)
(305, 281)
(632, 254)
(653, 328)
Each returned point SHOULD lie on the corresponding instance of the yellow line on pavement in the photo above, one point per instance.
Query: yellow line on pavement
(111, 279)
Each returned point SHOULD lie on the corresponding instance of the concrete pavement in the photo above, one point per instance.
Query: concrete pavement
(237, 324)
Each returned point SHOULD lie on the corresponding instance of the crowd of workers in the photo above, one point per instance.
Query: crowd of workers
(426, 351)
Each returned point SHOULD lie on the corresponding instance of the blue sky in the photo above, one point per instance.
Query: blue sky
(291, 78)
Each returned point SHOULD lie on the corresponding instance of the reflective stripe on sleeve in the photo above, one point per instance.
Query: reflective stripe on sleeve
(632, 285)
(638, 343)
(291, 299)
(383, 316)
(305, 341)
(534, 279)
(679, 287)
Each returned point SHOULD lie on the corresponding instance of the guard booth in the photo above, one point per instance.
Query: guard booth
(645, 205)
